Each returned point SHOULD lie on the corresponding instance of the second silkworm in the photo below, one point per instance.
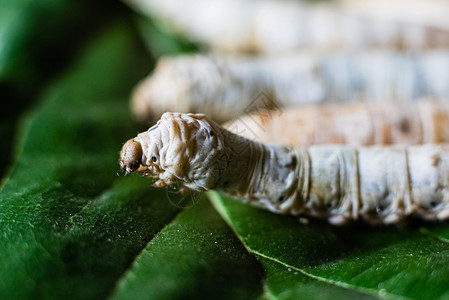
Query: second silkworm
(341, 183)
(361, 123)
(224, 87)
(274, 26)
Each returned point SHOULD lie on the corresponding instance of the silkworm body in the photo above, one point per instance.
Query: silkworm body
(270, 26)
(199, 83)
(362, 123)
(340, 183)
(224, 87)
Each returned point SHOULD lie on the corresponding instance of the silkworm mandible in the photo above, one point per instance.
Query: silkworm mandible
(341, 183)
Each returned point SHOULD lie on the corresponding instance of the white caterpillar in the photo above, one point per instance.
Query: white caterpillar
(274, 26)
(223, 87)
(356, 124)
(341, 183)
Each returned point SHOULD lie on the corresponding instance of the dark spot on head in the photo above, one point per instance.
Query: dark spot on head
(433, 204)
(154, 159)
(436, 160)
(281, 198)
(211, 133)
(292, 164)
(380, 208)
(404, 125)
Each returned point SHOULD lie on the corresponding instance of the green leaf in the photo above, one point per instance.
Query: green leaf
(284, 282)
(38, 38)
(384, 261)
(70, 225)
(196, 256)
(48, 29)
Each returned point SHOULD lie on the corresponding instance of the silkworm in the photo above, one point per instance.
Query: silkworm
(341, 183)
(223, 86)
(361, 123)
(270, 26)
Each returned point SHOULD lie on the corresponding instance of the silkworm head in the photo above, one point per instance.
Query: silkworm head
(181, 148)
(131, 156)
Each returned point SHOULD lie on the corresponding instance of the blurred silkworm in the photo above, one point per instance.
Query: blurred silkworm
(273, 26)
(224, 87)
(341, 183)
(362, 123)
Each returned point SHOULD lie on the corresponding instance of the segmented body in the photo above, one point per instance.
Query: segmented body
(224, 87)
(341, 183)
(361, 123)
(273, 26)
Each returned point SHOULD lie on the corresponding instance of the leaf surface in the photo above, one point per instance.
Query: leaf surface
(382, 261)
(70, 225)
(39, 39)
(196, 256)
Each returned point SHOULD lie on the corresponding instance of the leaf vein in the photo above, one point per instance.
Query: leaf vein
(363, 290)
(121, 279)
(429, 233)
